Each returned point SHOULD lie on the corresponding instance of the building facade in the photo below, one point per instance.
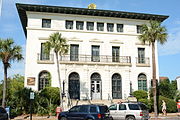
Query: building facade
(105, 58)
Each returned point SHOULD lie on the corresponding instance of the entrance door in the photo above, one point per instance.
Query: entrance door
(74, 86)
(95, 86)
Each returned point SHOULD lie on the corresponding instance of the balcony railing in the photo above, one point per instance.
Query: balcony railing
(142, 61)
(45, 58)
(101, 58)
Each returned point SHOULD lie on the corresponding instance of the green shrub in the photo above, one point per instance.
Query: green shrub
(170, 104)
(140, 94)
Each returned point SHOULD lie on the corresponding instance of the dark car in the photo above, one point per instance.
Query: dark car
(86, 112)
(3, 114)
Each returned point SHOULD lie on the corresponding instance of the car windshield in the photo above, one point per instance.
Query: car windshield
(103, 109)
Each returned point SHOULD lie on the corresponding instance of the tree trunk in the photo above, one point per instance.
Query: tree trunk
(154, 79)
(58, 71)
(4, 86)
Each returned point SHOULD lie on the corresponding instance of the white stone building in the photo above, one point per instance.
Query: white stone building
(105, 55)
(178, 82)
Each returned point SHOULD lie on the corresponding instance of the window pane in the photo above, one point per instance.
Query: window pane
(113, 107)
(142, 82)
(110, 27)
(44, 55)
(46, 23)
(95, 54)
(133, 107)
(90, 26)
(141, 55)
(74, 52)
(69, 24)
(122, 107)
(119, 27)
(93, 109)
(115, 54)
(100, 26)
(139, 29)
(79, 25)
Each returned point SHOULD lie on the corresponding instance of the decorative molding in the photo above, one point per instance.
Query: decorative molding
(43, 38)
(82, 31)
(75, 39)
(138, 43)
(116, 41)
(96, 40)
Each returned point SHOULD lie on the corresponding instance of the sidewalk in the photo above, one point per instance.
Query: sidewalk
(161, 116)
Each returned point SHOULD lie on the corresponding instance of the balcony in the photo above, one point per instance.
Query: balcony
(45, 58)
(102, 59)
(142, 62)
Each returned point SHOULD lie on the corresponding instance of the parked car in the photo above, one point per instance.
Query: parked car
(86, 112)
(3, 114)
(129, 111)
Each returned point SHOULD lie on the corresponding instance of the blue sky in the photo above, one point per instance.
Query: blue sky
(169, 53)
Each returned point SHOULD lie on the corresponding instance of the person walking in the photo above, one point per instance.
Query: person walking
(178, 107)
(164, 108)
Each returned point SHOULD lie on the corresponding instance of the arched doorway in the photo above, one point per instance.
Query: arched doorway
(74, 86)
(142, 82)
(116, 86)
(96, 86)
(44, 80)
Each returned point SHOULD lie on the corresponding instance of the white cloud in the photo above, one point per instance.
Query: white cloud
(172, 46)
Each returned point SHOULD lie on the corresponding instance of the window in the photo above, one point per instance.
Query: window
(44, 55)
(100, 26)
(116, 86)
(110, 27)
(75, 109)
(46, 23)
(133, 107)
(95, 54)
(141, 55)
(120, 27)
(44, 80)
(122, 107)
(115, 54)
(142, 82)
(90, 26)
(74, 52)
(139, 29)
(84, 108)
(93, 109)
(69, 24)
(113, 107)
(79, 25)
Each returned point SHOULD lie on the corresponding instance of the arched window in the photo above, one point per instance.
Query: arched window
(116, 86)
(44, 80)
(74, 86)
(142, 82)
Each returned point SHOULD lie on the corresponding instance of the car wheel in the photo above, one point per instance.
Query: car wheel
(63, 118)
(130, 118)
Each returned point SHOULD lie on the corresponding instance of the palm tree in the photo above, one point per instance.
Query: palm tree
(8, 52)
(150, 34)
(60, 47)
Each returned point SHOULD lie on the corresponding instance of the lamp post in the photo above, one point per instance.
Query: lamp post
(31, 98)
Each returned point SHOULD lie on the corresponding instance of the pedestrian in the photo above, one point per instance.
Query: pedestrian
(164, 107)
(178, 107)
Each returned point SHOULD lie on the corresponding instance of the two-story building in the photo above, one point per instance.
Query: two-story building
(105, 58)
